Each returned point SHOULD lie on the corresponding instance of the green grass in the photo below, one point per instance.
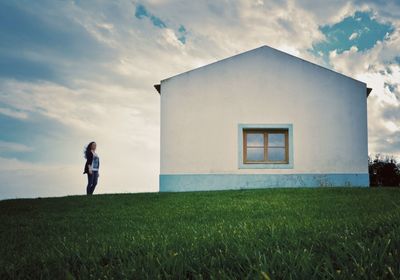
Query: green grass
(339, 233)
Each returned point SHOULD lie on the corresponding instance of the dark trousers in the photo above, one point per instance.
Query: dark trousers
(92, 182)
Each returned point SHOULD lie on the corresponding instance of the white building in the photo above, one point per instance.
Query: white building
(262, 119)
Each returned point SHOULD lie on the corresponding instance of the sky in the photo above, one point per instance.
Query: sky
(72, 72)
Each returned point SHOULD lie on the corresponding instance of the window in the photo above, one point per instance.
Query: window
(265, 146)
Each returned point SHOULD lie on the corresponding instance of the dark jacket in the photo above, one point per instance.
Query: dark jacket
(89, 160)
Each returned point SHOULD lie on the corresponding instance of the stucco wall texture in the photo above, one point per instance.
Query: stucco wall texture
(201, 110)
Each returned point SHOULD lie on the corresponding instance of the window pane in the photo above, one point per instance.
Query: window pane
(276, 154)
(255, 139)
(276, 139)
(255, 154)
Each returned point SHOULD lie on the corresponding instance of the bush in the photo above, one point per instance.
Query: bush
(384, 171)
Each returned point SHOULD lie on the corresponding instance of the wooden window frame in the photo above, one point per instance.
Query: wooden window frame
(266, 132)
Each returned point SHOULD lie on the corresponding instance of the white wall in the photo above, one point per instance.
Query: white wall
(201, 110)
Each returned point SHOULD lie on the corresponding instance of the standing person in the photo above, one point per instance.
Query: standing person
(91, 167)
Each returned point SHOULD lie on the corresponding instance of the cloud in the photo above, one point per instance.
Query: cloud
(13, 147)
(13, 113)
(178, 35)
(125, 128)
(24, 179)
(377, 66)
(182, 34)
(383, 108)
(41, 43)
(354, 35)
(142, 12)
(360, 30)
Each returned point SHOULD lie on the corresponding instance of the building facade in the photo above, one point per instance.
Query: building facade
(262, 119)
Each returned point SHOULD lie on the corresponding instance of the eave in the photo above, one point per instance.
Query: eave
(158, 88)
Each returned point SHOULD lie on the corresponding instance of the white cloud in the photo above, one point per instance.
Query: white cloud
(353, 36)
(24, 179)
(377, 68)
(13, 113)
(170, 37)
(13, 147)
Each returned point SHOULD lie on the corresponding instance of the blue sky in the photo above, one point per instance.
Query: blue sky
(360, 30)
(76, 71)
(141, 12)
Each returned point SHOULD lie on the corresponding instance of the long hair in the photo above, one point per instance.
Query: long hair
(87, 149)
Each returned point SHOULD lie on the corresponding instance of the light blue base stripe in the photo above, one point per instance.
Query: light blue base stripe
(206, 182)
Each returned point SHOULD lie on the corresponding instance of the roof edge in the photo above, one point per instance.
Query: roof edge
(217, 61)
(368, 91)
(261, 47)
(158, 88)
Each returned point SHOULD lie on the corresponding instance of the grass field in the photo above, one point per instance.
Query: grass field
(339, 233)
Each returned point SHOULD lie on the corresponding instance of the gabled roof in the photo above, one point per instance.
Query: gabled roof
(158, 86)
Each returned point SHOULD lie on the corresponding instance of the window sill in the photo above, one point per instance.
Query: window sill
(265, 166)
(266, 162)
